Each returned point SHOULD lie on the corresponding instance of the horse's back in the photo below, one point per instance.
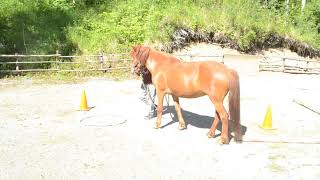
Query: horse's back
(189, 79)
(194, 79)
(213, 77)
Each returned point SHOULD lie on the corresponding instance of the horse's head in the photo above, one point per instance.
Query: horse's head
(140, 55)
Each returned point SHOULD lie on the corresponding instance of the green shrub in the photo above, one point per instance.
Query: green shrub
(91, 26)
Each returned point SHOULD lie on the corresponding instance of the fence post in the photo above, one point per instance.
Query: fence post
(17, 60)
(222, 58)
(57, 59)
(101, 59)
(284, 64)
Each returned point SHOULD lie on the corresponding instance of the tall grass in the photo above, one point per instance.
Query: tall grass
(28, 26)
(118, 27)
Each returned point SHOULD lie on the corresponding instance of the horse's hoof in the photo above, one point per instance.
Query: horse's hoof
(210, 135)
(219, 141)
(182, 127)
(222, 141)
(238, 139)
(156, 126)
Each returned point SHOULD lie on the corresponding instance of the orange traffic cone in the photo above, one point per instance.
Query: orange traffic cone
(267, 123)
(83, 103)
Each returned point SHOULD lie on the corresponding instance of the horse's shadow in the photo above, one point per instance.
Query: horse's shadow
(193, 119)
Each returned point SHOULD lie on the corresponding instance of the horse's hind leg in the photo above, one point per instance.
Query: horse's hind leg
(224, 120)
(182, 124)
(214, 125)
(221, 114)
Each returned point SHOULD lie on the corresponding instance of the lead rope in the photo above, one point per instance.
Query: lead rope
(153, 99)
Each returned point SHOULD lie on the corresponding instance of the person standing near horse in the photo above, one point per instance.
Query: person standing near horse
(148, 93)
(191, 80)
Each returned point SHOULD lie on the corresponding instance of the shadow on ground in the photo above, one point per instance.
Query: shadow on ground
(196, 120)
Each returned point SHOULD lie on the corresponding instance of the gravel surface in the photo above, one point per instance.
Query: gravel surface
(44, 136)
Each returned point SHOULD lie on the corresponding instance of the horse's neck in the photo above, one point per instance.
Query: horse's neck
(158, 58)
(161, 57)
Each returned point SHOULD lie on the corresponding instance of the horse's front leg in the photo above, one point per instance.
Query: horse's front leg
(182, 124)
(160, 95)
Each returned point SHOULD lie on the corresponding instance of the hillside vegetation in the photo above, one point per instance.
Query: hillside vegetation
(91, 26)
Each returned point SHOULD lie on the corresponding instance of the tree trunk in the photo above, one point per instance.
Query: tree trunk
(303, 4)
(287, 10)
(287, 5)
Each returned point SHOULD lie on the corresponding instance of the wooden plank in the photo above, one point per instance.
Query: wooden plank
(66, 70)
(28, 62)
(105, 55)
(272, 70)
(79, 62)
(57, 55)
(301, 68)
(21, 55)
(189, 55)
(271, 65)
(299, 59)
(300, 72)
(103, 69)
(271, 62)
(60, 62)
(27, 70)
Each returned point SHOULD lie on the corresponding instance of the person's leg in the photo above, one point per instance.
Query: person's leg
(144, 94)
(152, 108)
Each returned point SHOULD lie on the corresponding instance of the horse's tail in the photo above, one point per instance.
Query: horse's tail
(234, 105)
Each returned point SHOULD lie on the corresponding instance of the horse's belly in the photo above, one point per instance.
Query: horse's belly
(188, 94)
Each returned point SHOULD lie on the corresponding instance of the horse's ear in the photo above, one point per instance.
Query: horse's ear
(136, 47)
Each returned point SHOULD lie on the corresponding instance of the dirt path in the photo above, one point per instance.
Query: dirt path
(42, 136)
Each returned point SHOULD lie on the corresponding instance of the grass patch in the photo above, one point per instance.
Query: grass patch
(69, 77)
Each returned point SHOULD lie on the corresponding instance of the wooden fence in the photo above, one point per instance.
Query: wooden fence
(100, 62)
(121, 61)
(289, 65)
(58, 63)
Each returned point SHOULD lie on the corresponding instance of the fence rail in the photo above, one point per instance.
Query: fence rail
(289, 65)
(106, 62)
(102, 62)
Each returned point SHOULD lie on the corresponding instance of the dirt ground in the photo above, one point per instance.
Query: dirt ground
(44, 136)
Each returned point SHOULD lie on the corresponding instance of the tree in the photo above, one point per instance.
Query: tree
(303, 4)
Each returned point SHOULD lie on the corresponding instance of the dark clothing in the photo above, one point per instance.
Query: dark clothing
(146, 76)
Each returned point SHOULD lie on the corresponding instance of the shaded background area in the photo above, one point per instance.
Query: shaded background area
(83, 26)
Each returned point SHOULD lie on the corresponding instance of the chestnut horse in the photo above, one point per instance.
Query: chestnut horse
(191, 80)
